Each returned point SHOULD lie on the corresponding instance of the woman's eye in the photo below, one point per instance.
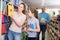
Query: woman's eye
(21, 7)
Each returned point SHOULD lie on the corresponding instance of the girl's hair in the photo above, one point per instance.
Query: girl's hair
(24, 11)
(35, 13)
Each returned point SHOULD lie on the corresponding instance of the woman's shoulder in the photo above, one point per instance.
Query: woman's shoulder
(24, 15)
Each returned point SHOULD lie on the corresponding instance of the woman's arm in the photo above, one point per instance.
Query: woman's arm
(19, 24)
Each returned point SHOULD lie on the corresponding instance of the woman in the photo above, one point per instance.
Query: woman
(33, 25)
(18, 19)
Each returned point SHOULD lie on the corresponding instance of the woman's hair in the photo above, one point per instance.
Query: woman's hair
(24, 11)
(35, 13)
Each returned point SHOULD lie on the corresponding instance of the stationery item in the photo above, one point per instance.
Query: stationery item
(17, 2)
(10, 10)
(8, 0)
(3, 28)
(3, 5)
(43, 20)
(25, 35)
(14, 2)
(4, 18)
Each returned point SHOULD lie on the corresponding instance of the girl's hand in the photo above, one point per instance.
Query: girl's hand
(29, 29)
(24, 29)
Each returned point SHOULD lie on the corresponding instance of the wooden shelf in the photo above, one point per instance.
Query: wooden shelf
(53, 29)
(55, 32)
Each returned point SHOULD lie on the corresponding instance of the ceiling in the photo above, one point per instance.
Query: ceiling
(39, 3)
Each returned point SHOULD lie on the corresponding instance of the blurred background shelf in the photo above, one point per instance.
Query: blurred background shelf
(54, 30)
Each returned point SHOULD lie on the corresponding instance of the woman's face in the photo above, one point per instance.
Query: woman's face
(21, 7)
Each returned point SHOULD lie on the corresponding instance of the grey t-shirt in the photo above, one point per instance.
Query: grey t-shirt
(32, 22)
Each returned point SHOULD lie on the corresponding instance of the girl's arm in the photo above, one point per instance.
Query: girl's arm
(37, 29)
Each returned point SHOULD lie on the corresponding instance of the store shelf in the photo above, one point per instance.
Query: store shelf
(54, 30)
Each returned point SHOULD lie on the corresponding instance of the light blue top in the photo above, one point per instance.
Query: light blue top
(32, 22)
(44, 15)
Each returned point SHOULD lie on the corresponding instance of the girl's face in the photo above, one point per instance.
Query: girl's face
(21, 7)
(30, 14)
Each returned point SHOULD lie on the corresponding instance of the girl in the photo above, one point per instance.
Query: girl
(33, 25)
(18, 19)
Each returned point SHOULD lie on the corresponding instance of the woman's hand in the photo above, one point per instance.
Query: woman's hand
(11, 17)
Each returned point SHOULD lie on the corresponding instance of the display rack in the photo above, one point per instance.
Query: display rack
(54, 30)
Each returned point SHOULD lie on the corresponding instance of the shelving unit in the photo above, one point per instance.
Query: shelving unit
(54, 30)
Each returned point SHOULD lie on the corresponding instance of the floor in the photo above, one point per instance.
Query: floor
(46, 35)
